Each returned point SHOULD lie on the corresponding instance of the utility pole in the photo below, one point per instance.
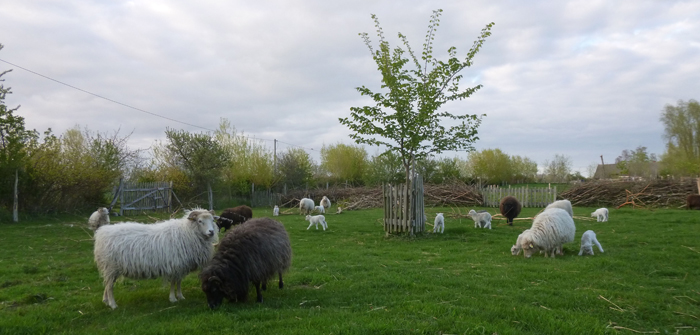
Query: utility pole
(275, 157)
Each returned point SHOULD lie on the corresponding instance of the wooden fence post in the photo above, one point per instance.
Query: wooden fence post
(15, 205)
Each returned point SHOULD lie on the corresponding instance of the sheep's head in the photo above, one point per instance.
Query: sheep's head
(308, 217)
(515, 250)
(205, 222)
(103, 210)
(529, 247)
(213, 288)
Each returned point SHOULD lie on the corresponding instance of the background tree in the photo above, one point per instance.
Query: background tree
(682, 134)
(558, 170)
(344, 163)
(384, 168)
(296, 168)
(199, 155)
(406, 118)
(524, 169)
(250, 161)
(635, 162)
(491, 166)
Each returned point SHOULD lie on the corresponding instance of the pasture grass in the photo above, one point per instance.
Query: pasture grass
(352, 279)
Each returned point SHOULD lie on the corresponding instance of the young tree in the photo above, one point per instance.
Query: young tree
(199, 155)
(682, 133)
(491, 166)
(384, 168)
(406, 119)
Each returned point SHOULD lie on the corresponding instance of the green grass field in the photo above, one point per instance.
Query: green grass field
(352, 279)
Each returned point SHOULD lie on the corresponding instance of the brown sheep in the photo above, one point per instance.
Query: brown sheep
(510, 208)
(233, 216)
(693, 201)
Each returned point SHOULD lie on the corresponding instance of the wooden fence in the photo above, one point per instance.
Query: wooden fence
(152, 196)
(396, 218)
(528, 196)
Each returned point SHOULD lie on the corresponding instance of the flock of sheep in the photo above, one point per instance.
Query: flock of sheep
(254, 250)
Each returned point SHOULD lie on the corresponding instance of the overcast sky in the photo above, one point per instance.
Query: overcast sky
(577, 78)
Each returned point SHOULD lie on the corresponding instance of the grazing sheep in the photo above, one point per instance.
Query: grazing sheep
(233, 216)
(587, 241)
(693, 201)
(510, 208)
(481, 219)
(316, 219)
(325, 202)
(169, 249)
(320, 209)
(99, 218)
(601, 214)
(276, 211)
(439, 223)
(563, 204)
(306, 205)
(549, 231)
(252, 253)
(338, 210)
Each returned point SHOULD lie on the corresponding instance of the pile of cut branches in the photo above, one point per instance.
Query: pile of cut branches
(639, 194)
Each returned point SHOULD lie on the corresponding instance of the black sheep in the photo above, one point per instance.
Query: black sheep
(233, 216)
(510, 208)
(252, 252)
(693, 201)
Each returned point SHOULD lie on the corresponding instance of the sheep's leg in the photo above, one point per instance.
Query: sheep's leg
(600, 247)
(281, 282)
(311, 224)
(257, 292)
(264, 286)
(324, 224)
(172, 292)
(179, 290)
(108, 296)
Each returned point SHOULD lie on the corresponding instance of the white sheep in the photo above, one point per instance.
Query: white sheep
(338, 210)
(549, 231)
(325, 202)
(276, 211)
(306, 205)
(170, 249)
(481, 219)
(601, 214)
(588, 239)
(99, 218)
(316, 219)
(439, 223)
(563, 204)
(320, 209)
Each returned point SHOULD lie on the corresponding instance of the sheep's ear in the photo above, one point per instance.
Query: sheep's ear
(193, 215)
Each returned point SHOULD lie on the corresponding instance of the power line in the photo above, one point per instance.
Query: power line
(105, 98)
(136, 108)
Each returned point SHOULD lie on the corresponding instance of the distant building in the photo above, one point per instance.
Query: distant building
(637, 171)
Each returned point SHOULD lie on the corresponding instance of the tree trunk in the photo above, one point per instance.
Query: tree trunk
(15, 205)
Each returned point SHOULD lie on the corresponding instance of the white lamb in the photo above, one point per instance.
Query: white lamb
(601, 214)
(276, 211)
(338, 210)
(316, 219)
(99, 218)
(320, 209)
(306, 205)
(439, 223)
(563, 204)
(587, 241)
(516, 248)
(169, 249)
(549, 231)
(481, 219)
(325, 202)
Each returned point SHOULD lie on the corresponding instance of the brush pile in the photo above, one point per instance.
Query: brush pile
(644, 194)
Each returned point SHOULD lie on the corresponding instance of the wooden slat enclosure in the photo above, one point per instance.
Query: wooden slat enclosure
(396, 219)
(528, 197)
